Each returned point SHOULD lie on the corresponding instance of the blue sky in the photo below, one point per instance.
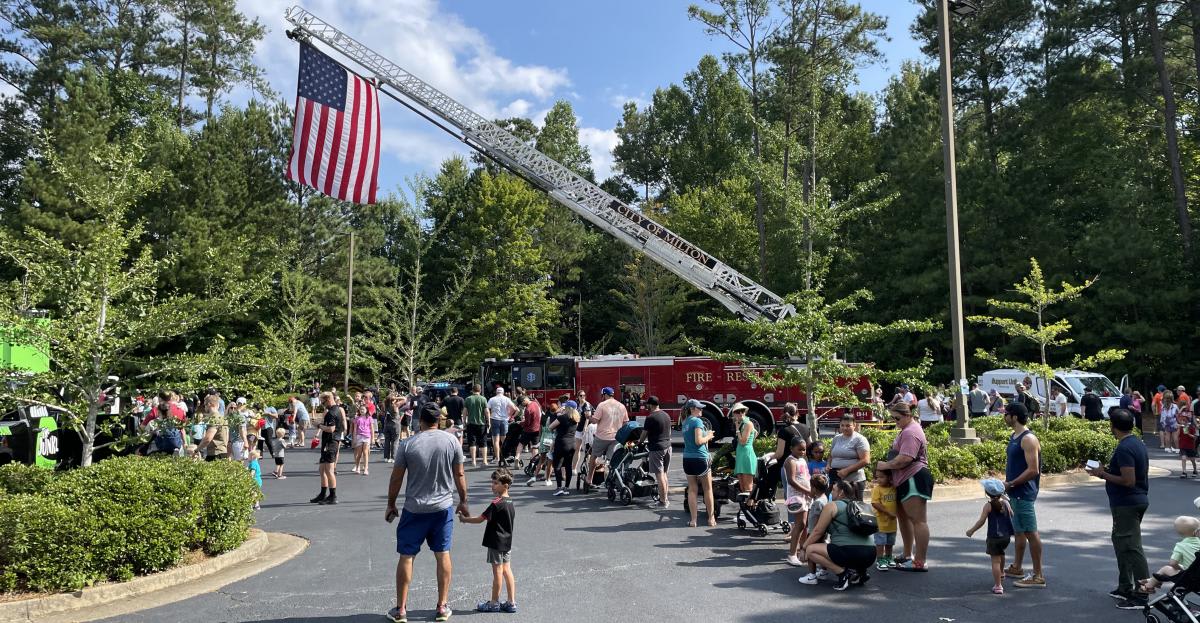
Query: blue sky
(519, 57)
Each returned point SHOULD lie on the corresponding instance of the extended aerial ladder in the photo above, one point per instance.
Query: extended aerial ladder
(740, 294)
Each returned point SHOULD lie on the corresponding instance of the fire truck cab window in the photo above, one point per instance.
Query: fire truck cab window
(529, 376)
(499, 375)
(560, 376)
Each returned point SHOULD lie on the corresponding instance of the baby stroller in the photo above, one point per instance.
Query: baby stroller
(763, 514)
(627, 475)
(1173, 606)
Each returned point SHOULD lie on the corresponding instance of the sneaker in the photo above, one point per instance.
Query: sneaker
(1135, 602)
(845, 580)
(997, 590)
(825, 574)
(318, 499)
(810, 579)
(559, 492)
(912, 565)
(283, 477)
(443, 613)
(329, 501)
(1033, 581)
(794, 561)
(487, 606)
(883, 564)
(549, 483)
(1014, 571)
(396, 615)
(366, 473)
(529, 483)
(860, 578)
(1117, 593)
(666, 504)
(354, 471)
(510, 608)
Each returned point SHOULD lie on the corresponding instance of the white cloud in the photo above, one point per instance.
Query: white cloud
(618, 100)
(422, 149)
(600, 143)
(433, 44)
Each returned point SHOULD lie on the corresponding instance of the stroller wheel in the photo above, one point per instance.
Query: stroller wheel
(1153, 618)
(529, 468)
(741, 523)
(785, 527)
(762, 530)
(612, 494)
(626, 496)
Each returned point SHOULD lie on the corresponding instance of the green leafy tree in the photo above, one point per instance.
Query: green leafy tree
(286, 353)
(1042, 333)
(103, 295)
(657, 301)
(823, 329)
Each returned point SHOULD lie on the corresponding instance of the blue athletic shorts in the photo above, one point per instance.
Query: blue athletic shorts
(1023, 519)
(499, 428)
(434, 529)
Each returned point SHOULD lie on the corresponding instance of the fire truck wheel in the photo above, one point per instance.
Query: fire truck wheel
(762, 423)
(712, 421)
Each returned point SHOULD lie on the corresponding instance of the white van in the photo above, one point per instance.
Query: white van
(1072, 384)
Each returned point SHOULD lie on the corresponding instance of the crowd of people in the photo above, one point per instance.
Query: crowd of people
(824, 481)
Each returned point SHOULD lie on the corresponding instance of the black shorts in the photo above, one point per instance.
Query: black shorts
(998, 545)
(920, 485)
(329, 454)
(530, 440)
(1188, 452)
(404, 420)
(695, 467)
(279, 460)
(477, 435)
(857, 557)
(212, 457)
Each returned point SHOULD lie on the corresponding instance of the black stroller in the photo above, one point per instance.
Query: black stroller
(1173, 606)
(627, 475)
(764, 514)
(508, 448)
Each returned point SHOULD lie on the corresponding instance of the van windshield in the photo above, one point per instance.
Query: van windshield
(1097, 383)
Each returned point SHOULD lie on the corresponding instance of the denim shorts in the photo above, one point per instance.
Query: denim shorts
(499, 428)
(434, 529)
(1024, 519)
(885, 538)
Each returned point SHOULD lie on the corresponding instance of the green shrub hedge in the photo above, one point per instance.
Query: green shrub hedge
(1067, 443)
(118, 518)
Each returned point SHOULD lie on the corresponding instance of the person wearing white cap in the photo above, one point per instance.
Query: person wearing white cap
(501, 410)
(610, 416)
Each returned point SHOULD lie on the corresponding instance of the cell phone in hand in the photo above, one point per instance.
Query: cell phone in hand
(390, 515)
(1093, 464)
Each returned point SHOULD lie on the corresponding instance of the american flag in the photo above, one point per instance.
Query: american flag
(336, 145)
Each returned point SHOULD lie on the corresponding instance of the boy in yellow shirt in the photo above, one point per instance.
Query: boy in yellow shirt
(883, 500)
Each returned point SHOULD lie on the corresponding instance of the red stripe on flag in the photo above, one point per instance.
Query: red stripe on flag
(343, 193)
(367, 137)
(320, 146)
(375, 165)
(335, 156)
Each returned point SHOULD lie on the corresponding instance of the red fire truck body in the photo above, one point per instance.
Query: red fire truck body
(672, 379)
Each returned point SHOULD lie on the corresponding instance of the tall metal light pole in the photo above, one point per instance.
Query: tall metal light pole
(962, 431)
(349, 316)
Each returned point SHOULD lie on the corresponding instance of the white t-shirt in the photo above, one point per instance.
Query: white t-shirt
(1061, 403)
(499, 406)
(928, 413)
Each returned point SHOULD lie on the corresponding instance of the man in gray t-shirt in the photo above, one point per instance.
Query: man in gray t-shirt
(433, 460)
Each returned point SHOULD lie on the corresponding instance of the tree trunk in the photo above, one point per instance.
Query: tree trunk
(1194, 9)
(989, 115)
(89, 433)
(183, 60)
(1172, 131)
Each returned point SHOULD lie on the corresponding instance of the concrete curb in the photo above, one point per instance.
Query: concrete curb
(261, 551)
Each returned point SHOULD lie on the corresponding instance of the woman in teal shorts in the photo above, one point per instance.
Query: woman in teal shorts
(745, 464)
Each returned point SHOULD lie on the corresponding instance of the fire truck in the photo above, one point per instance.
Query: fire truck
(718, 385)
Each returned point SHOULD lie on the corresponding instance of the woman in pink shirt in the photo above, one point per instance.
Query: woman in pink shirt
(364, 436)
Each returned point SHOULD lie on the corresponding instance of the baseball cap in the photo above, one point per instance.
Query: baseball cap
(499, 390)
(1016, 409)
(571, 404)
(607, 391)
(241, 400)
(1161, 387)
(904, 386)
(692, 403)
(1180, 389)
(271, 410)
(652, 401)
(992, 487)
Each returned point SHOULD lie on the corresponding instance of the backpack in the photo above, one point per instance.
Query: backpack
(859, 518)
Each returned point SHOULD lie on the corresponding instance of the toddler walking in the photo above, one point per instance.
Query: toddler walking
(280, 450)
(497, 538)
(883, 500)
(998, 515)
(256, 471)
